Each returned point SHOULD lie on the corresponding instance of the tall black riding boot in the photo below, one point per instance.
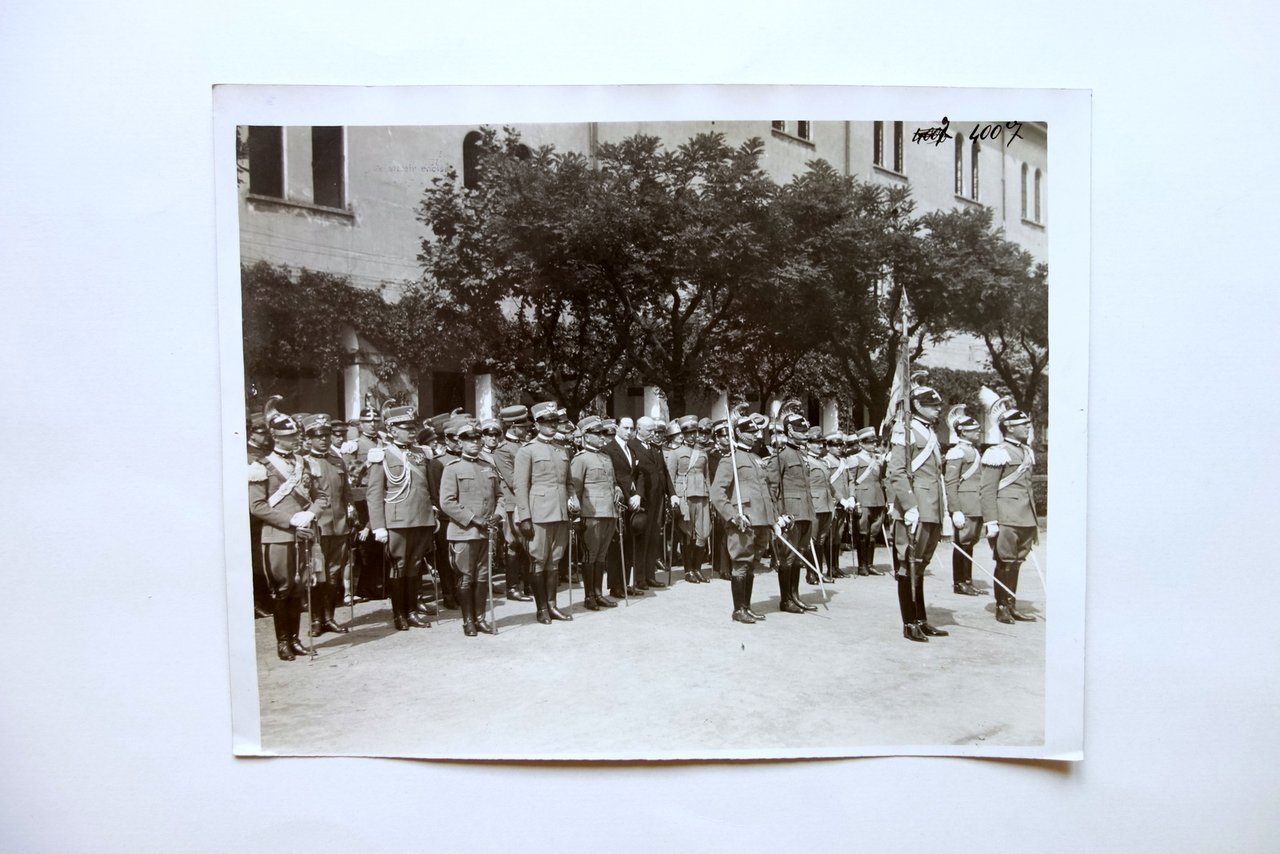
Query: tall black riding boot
(280, 617)
(480, 609)
(922, 619)
(316, 607)
(1002, 594)
(551, 580)
(295, 620)
(748, 587)
(540, 596)
(602, 599)
(1012, 574)
(795, 590)
(589, 598)
(396, 591)
(464, 593)
(330, 605)
(738, 583)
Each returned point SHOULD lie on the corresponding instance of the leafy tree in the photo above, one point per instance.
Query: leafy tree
(998, 292)
(520, 270)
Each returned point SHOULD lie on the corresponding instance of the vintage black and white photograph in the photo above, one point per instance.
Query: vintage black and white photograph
(656, 437)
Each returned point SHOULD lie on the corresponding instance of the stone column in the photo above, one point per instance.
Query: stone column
(485, 400)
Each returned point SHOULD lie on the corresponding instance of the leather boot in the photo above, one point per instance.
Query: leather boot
(280, 617)
(871, 558)
(795, 591)
(1011, 572)
(515, 577)
(748, 587)
(480, 609)
(330, 602)
(317, 610)
(538, 583)
(911, 631)
(466, 604)
(589, 600)
(740, 614)
(551, 580)
(603, 600)
(397, 593)
(786, 603)
(295, 619)
(905, 606)
(414, 612)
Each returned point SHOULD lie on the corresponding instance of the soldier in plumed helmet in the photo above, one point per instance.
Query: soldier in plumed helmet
(867, 474)
(280, 496)
(258, 446)
(740, 493)
(915, 479)
(401, 512)
(961, 472)
(823, 495)
(1009, 508)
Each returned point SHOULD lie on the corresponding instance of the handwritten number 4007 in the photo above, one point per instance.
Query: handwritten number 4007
(937, 135)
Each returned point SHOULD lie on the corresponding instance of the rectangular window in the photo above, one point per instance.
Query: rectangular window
(780, 126)
(897, 147)
(328, 167)
(959, 165)
(1024, 191)
(1038, 195)
(266, 161)
(877, 143)
(803, 130)
(973, 168)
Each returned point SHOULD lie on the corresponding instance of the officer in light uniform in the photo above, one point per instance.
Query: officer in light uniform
(517, 422)
(599, 496)
(742, 497)
(258, 445)
(401, 512)
(824, 498)
(469, 498)
(334, 513)
(695, 498)
(961, 472)
(846, 504)
(280, 496)
(543, 507)
(368, 559)
(788, 474)
(1009, 508)
(868, 489)
(915, 478)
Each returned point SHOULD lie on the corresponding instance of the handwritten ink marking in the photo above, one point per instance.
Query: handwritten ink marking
(994, 131)
(935, 135)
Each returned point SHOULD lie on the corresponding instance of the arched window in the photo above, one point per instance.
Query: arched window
(1037, 195)
(1024, 191)
(959, 165)
(471, 160)
(973, 167)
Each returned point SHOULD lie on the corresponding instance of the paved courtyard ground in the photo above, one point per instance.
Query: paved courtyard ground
(670, 675)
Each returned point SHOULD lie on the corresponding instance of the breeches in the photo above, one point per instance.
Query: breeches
(696, 519)
(798, 535)
(597, 536)
(746, 547)
(870, 521)
(968, 533)
(280, 563)
(337, 551)
(547, 545)
(406, 549)
(922, 543)
(1013, 543)
(471, 559)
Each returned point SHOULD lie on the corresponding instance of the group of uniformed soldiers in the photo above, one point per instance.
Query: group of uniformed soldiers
(335, 520)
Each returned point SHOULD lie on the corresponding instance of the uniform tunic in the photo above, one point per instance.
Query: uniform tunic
(279, 487)
(695, 505)
(399, 497)
(1007, 498)
(469, 497)
(960, 471)
(745, 548)
(920, 488)
(542, 495)
(788, 475)
(595, 485)
(329, 472)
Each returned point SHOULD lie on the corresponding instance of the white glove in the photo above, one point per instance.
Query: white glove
(380, 534)
(634, 502)
(302, 518)
(675, 501)
(957, 518)
(912, 517)
(993, 528)
(784, 522)
(849, 503)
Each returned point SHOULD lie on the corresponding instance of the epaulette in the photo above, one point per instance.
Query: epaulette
(996, 455)
(349, 447)
(257, 472)
(955, 453)
(376, 455)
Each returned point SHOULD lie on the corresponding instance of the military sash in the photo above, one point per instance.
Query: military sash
(292, 480)
(1028, 459)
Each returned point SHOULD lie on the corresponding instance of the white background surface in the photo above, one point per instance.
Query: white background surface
(114, 717)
